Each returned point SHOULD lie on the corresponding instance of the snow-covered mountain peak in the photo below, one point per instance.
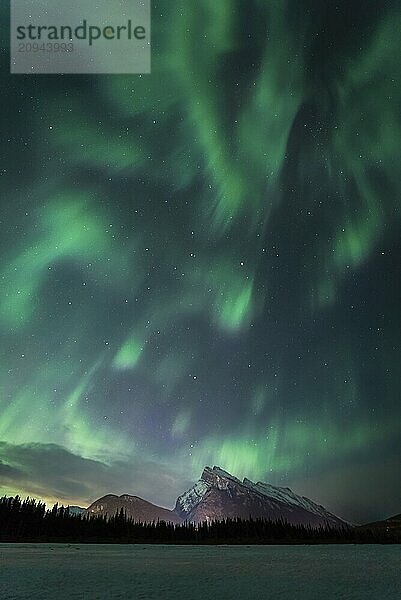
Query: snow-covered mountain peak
(216, 474)
(216, 477)
(190, 499)
(218, 494)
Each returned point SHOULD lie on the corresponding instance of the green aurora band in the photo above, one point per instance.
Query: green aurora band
(199, 266)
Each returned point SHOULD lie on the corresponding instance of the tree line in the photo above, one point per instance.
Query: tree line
(29, 521)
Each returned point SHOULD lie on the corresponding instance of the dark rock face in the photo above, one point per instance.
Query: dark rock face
(134, 507)
(218, 495)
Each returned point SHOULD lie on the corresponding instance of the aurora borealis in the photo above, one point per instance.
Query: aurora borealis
(201, 265)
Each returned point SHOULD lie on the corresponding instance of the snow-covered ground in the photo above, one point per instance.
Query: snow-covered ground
(108, 572)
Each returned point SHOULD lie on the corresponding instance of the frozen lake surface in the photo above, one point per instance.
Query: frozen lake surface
(90, 572)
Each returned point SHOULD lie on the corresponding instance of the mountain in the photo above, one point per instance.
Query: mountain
(390, 525)
(134, 507)
(218, 495)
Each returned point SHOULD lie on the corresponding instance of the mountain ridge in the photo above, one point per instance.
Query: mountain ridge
(218, 495)
(391, 524)
(134, 506)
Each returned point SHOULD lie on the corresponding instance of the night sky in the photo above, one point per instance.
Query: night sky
(202, 266)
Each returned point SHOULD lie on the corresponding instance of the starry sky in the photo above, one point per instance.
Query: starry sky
(201, 266)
